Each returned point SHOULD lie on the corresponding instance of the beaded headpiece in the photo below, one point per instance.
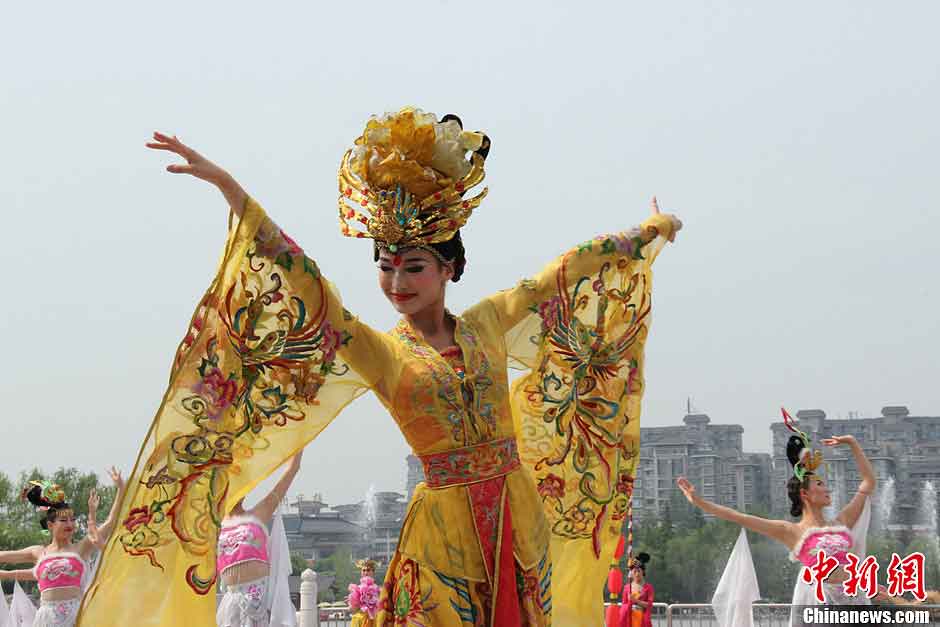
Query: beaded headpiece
(403, 183)
(809, 460)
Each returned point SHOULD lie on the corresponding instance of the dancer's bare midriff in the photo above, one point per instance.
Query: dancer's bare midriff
(61, 594)
(245, 572)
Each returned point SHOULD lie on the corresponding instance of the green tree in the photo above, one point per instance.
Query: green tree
(298, 563)
(345, 570)
(927, 546)
(6, 492)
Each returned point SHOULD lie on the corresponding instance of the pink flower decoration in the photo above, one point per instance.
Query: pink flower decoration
(369, 596)
(292, 246)
(352, 599)
(271, 241)
(364, 596)
(330, 342)
(549, 312)
(551, 486)
(218, 390)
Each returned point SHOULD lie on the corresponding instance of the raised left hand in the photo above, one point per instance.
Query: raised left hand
(116, 477)
(676, 222)
(836, 440)
(93, 501)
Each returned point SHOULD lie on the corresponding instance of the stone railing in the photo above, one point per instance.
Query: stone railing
(312, 614)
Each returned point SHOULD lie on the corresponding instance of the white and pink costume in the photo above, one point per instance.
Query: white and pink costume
(263, 602)
(60, 571)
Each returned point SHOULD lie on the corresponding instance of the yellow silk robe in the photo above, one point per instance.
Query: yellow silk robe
(271, 357)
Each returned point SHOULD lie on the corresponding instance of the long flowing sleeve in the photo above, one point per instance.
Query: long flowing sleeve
(579, 327)
(269, 358)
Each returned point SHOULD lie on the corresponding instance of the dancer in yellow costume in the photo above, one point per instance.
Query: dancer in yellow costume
(518, 478)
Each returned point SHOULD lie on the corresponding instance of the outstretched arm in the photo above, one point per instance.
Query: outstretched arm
(586, 260)
(264, 510)
(775, 529)
(24, 556)
(850, 513)
(17, 575)
(364, 349)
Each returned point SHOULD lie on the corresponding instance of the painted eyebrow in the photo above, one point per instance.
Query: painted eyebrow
(407, 260)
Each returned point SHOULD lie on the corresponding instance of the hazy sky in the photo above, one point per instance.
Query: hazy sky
(797, 141)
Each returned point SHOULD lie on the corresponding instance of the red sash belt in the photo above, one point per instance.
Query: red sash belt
(470, 464)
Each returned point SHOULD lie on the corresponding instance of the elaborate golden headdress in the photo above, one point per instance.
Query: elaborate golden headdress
(366, 563)
(403, 183)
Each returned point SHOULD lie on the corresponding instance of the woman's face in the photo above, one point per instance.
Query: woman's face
(63, 527)
(637, 574)
(413, 279)
(817, 492)
(367, 572)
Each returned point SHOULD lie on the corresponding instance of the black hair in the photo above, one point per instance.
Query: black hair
(452, 250)
(643, 559)
(795, 447)
(50, 510)
(794, 487)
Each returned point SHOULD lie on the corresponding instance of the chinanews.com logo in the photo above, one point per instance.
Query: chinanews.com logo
(855, 615)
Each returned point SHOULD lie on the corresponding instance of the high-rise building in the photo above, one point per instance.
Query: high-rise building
(710, 456)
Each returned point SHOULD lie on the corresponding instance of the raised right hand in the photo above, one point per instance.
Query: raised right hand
(687, 489)
(196, 165)
(200, 167)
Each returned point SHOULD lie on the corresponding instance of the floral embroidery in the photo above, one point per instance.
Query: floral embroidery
(402, 599)
(265, 353)
(473, 463)
(551, 486)
(831, 543)
(230, 540)
(254, 593)
(56, 568)
(332, 340)
(477, 385)
(578, 395)
(136, 517)
(446, 383)
(549, 311)
(487, 501)
(219, 391)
